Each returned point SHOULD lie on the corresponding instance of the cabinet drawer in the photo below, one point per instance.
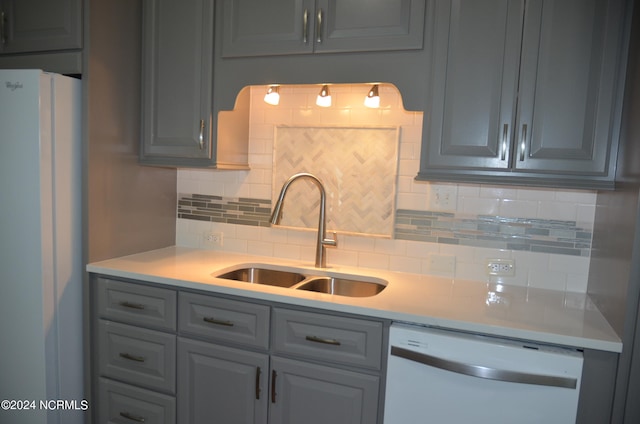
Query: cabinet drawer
(224, 320)
(138, 356)
(348, 341)
(136, 304)
(121, 403)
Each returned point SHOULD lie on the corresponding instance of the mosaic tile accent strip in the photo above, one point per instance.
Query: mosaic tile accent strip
(534, 235)
(241, 211)
(523, 234)
(357, 167)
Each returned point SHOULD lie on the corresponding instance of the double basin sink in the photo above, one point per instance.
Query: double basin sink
(341, 285)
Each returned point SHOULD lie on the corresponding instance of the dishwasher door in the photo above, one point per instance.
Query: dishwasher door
(443, 377)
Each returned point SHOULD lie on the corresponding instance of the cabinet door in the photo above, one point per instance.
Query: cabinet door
(40, 25)
(368, 25)
(315, 394)
(567, 87)
(177, 79)
(473, 85)
(221, 384)
(258, 27)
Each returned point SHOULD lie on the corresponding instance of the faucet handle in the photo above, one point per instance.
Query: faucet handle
(331, 242)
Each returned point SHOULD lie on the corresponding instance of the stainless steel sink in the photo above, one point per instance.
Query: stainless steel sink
(271, 277)
(352, 286)
(342, 287)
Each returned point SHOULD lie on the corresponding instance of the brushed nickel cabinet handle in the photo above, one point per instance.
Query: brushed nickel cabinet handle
(319, 27)
(305, 26)
(316, 339)
(274, 375)
(131, 357)
(201, 138)
(258, 374)
(212, 320)
(132, 417)
(505, 134)
(132, 305)
(523, 143)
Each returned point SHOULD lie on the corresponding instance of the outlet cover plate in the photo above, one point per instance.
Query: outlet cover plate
(501, 267)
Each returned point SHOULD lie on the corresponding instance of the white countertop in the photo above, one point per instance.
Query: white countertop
(545, 316)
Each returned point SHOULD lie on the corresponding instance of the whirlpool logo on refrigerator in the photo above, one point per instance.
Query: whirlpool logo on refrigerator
(13, 86)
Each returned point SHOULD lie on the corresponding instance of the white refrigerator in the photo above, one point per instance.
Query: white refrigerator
(40, 254)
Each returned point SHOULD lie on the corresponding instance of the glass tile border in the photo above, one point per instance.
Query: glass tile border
(521, 234)
(236, 210)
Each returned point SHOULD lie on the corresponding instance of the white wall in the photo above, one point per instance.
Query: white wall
(297, 108)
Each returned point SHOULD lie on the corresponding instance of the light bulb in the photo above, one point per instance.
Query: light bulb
(373, 98)
(273, 95)
(324, 97)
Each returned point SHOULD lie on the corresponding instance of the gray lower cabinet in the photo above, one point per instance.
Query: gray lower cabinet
(173, 356)
(133, 351)
(309, 393)
(137, 355)
(259, 28)
(524, 92)
(324, 368)
(221, 384)
(123, 403)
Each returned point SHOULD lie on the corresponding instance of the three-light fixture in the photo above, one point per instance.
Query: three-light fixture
(372, 100)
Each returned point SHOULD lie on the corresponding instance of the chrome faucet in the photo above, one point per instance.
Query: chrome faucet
(323, 241)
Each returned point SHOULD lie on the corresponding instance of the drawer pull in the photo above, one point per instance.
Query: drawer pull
(523, 144)
(132, 305)
(201, 135)
(3, 28)
(274, 375)
(258, 374)
(505, 135)
(132, 417)
(131, 357)
(319, 26)
(305, 26)
(212, 320)
(316, 339)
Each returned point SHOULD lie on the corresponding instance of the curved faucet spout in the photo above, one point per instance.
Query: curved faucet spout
(323, 241)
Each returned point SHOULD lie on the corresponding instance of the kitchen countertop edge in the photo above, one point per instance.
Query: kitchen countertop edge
(537, 315)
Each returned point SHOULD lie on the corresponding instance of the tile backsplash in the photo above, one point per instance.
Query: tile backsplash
(440, 228)
(357, 168)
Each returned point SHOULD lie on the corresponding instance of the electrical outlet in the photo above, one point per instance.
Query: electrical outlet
(212, 239)
(501, 267)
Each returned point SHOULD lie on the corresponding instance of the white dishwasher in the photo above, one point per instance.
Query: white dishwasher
(442, 377)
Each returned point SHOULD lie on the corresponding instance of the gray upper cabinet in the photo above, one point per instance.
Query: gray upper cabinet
(28, 26)
(259, 28)
(177, 83)
(524, 92)
(180, 126)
